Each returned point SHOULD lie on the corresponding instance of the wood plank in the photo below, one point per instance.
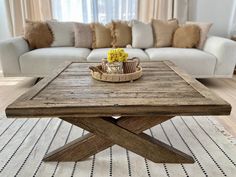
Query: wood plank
(196, 85)
(144, 82)
(142, 107)
(159, 103)
(144, 79)
(141, 144)
(106, 103)
(86, 74)
(95, 143)
(85, 97)
(149, 64)
(112, 95)
(81, 89)
(147, 76)
(70, 152)
(134, 89)
(139, 84)
(151, 85)
(43, 83)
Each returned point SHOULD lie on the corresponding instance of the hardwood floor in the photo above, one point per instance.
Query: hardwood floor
(226, 88)
(11, 88)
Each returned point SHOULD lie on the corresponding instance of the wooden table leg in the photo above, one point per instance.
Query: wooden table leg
(70, 151)
(121, 132)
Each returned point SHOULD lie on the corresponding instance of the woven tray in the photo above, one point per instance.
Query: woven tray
(98, 74)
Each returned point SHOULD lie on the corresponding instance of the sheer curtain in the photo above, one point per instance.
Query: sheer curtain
(102, 11)
(163, 9)
(232, 28)
(19, 10)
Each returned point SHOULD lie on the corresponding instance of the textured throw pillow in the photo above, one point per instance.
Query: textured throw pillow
(142, 35)
(101, 36)
(163, 32)
(121, 34)
(187, 36)
(204, 29)
(37, 34)
(83, 35)
(63, 33)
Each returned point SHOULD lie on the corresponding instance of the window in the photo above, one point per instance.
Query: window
(102, 11)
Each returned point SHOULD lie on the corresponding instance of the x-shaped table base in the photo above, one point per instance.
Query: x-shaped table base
(126, 132)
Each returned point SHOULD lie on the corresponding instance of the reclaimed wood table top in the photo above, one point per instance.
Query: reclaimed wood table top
(162, 90)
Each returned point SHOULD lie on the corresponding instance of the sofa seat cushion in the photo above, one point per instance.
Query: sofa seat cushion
(97, 54)
(195, 62)
(43, 61)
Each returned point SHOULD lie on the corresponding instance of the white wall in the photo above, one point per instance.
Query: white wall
(219, 12)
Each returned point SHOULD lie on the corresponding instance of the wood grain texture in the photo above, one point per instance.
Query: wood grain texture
(108, 132)
(91, 144)
(141, 144)
(163, 90)
(72, 94)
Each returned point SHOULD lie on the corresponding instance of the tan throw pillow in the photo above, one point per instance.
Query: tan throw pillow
(163, 32)
(121, 34)
(38, 34)
(83, 35)
(101, 36)
(187, 36)
(204, 29)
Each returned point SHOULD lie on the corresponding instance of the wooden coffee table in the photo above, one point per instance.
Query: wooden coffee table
(164, 91)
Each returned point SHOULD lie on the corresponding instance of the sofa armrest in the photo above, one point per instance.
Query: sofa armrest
(225, 52)
(10, 51)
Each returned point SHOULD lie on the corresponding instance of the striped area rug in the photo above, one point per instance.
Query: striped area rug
(24, 142)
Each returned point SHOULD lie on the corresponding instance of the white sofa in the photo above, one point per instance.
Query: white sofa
(217, 59)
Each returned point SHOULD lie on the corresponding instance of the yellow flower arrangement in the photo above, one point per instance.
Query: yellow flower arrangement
(117, 55)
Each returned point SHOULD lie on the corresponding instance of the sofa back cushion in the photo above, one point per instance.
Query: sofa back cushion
(63, 33)
(121, 34)
(142, 35)
(195, 62)
(101, 36)
(37, 34)
(187, 36)
(83, 35)
(204, 29)
(163, 32)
